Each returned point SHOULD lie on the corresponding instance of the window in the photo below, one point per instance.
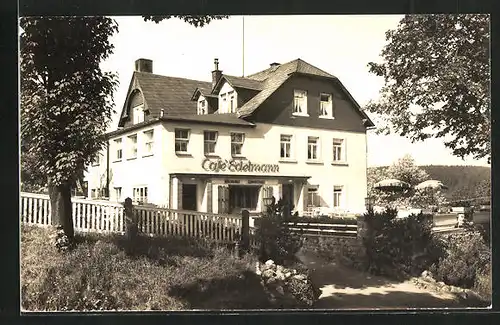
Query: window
(181, 140)
(202, 107)
(132, 146)
(232, 106)
(210, 139)
(138, 114)
(300, 102)
(337, 196)
(118, 193)
(237, 140)
(325, 105)
(243, 197)
(313, 197)
(312, 148)
(118, 149)
(223, 103)
(338, 152)
(93, 193)
(286, 146)
(148, 142)
(141, 194)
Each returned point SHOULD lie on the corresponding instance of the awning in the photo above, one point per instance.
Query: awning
(284, 178)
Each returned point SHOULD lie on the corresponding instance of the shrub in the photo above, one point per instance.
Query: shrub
(399, 246)
(347, 251)
(466, 258)
(165, 273)
(277, 241)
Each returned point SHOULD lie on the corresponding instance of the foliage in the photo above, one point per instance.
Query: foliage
(166, 274)
(404, 169)
(66, 99)
(277, 241)
(305, 292)
(464, 182)
(399, 246)
(466, 258)
(195, 20)
(347, 251)
(437, 81)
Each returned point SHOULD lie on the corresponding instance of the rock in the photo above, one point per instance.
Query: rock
(271, 281)
(294, 271)
(280, 290)
(268, 273)
(300, 277)
(288, 274)
(279, 268)
(269, 262)
(425, 274)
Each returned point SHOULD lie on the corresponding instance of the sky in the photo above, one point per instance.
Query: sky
(340, 45)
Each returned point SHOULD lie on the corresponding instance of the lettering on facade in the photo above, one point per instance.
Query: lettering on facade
(222, 165)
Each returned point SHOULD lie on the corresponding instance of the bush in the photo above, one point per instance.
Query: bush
(164, 274)
(277, 242)
(399, 246)
(347, 251)
(466, 258)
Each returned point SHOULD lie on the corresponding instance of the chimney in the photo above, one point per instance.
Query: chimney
(274, 65)
(144, 65)
(216, 74)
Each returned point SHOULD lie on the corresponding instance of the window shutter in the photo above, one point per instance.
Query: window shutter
(222, 199)
(345, 150)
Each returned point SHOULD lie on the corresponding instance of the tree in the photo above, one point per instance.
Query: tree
(404, 169)
(437, 81)
(195, 20)
(66, 100)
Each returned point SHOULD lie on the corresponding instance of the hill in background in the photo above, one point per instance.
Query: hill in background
(464, 182)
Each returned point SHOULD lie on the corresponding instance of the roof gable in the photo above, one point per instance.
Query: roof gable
(273, 77)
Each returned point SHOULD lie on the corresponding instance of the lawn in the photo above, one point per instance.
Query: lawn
(162, 274)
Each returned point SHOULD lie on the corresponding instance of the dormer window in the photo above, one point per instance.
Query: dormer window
(138, 114)
(202, 107)
(232, 104)
(325, 105)
(300, 102)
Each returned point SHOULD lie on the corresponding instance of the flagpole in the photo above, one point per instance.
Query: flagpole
(243, 41)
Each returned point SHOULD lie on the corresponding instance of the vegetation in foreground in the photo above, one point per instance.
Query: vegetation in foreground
(163, 274)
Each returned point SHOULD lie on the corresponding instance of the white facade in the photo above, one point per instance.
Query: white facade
(163, 170)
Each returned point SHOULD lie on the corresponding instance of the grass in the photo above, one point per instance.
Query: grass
(161, 274)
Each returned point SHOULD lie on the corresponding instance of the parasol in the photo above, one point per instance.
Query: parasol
(431, 184)
(391, 185)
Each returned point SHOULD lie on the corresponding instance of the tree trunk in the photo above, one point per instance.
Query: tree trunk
(61, 210)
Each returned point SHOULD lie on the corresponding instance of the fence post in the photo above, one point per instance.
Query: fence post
(245, 230)
(361, 226)
(131, 227)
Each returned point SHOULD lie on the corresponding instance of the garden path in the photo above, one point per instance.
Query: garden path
(345, 288)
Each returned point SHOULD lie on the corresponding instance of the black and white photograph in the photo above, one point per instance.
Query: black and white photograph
(256, 162)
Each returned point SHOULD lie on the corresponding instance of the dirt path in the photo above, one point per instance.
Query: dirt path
(346, 288)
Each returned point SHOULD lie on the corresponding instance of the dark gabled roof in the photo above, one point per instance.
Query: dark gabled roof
(241, 82)
(272, 78)
(171, 94)
(224, 119)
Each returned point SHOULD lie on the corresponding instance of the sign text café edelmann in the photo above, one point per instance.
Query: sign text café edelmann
(232, 165)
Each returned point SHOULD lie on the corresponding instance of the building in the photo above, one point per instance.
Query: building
(291, 131)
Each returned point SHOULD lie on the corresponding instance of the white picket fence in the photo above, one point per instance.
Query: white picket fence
(108, 217)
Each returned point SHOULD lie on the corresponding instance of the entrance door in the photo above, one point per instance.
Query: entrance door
(287, 190)
(189, 197)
